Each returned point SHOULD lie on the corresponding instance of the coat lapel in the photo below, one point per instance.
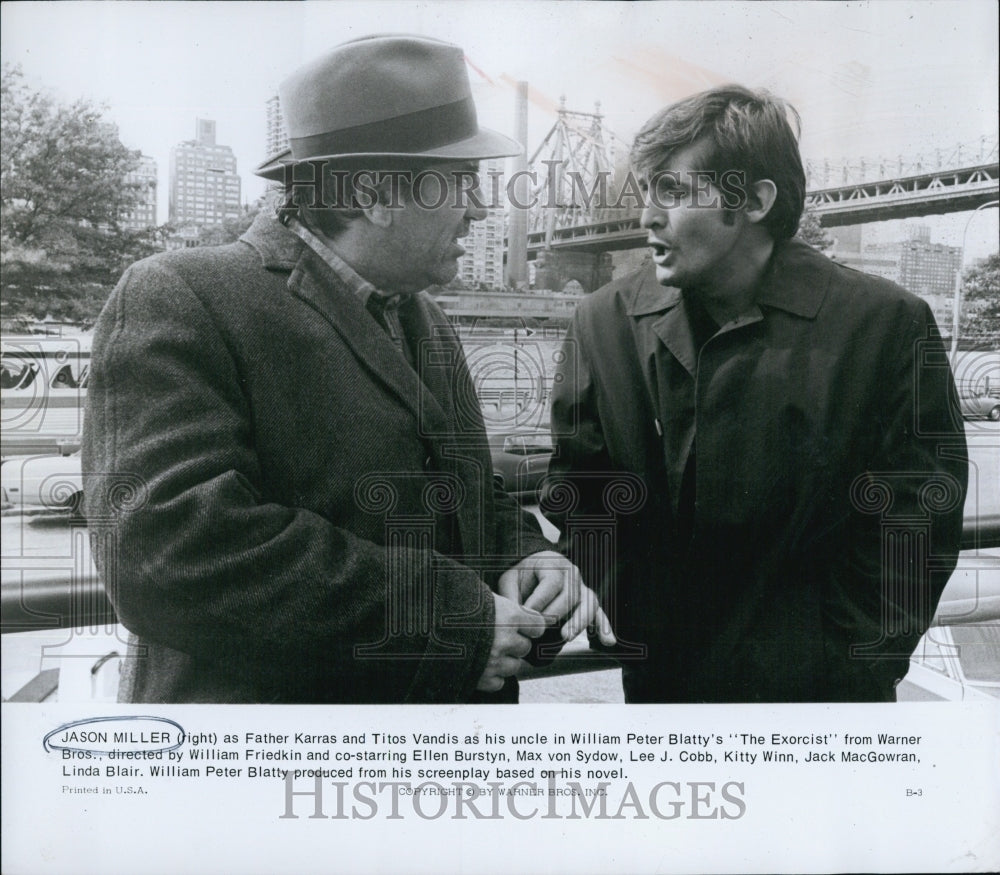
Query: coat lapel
(313, 282)
(317, 285)
(460, 445)
(674, 330)
(442, 397)
(651, 299)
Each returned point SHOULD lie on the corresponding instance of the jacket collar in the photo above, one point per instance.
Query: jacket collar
(796, 281)
(648, 296)
(278, 248)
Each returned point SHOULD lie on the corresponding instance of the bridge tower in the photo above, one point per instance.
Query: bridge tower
(571, 171)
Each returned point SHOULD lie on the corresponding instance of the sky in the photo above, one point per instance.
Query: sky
(883, 78)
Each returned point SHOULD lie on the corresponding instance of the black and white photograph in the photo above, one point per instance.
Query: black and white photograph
(500, 437)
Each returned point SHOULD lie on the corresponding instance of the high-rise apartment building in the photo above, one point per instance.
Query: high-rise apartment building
(928, 268)
(276, 139)
(144, 214)
(919, 266)
(205, 188)
(482, 264)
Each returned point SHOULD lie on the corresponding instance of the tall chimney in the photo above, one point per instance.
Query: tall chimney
(517, 230)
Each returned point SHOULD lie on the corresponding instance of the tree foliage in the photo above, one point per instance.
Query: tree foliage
(981, 301)
(812, 232)
(62, 165)
(63, 196)
(230, 229)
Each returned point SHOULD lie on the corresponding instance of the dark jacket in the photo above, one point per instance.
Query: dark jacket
(830, 477)
(280, 509)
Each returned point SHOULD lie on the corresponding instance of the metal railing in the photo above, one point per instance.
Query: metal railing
(69, 600)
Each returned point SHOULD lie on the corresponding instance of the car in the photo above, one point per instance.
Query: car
(52, 483)
(958, 657)
(520, 461)
(980, 407)
(954, 663)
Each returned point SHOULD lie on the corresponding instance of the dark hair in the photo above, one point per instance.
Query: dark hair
(742, 130)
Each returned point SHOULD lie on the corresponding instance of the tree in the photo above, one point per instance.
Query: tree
(71, 287)
(812, 232)
(981, 301)
(231, 229)
(63, 196)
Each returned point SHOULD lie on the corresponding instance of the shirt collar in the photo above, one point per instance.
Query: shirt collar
(348, 276)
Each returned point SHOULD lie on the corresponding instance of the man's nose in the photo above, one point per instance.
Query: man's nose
(475, 212)
(652, 216)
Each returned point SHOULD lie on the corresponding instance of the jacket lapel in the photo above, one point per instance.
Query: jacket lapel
(313, 282)
(459, 444)
(431, 351)
(442, 398)
(674, 330)
(649, 299)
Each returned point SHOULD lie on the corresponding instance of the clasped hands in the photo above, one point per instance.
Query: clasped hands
(541, 590)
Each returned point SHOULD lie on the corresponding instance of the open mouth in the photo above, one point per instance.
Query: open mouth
(660, 250)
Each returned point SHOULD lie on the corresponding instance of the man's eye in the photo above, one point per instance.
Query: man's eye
(467, 179)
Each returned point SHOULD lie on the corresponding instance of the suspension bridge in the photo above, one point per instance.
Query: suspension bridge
(581, 208)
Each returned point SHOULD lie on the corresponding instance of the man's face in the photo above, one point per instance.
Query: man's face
(422, 246)
(694, 237)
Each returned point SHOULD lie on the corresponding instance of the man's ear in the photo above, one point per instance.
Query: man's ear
(760, 199)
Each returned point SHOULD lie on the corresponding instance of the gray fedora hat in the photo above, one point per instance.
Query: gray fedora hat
(384, 96)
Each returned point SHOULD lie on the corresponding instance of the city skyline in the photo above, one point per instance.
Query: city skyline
(860, 76)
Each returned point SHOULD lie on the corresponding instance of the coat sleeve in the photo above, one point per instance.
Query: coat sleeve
(191, 554)
(518, 532)
(904, 527)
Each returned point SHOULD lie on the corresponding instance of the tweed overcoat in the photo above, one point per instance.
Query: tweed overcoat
(280, 508)
(829, 483)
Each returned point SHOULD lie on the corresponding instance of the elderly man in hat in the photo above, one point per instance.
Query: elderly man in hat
(288, 484)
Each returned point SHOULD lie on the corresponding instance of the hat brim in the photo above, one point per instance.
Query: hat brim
(484, 144)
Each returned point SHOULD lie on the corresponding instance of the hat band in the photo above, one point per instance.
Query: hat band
(411, 133)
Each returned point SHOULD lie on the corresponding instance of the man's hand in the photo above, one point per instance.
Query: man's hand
(513, 629)
(549, 583)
